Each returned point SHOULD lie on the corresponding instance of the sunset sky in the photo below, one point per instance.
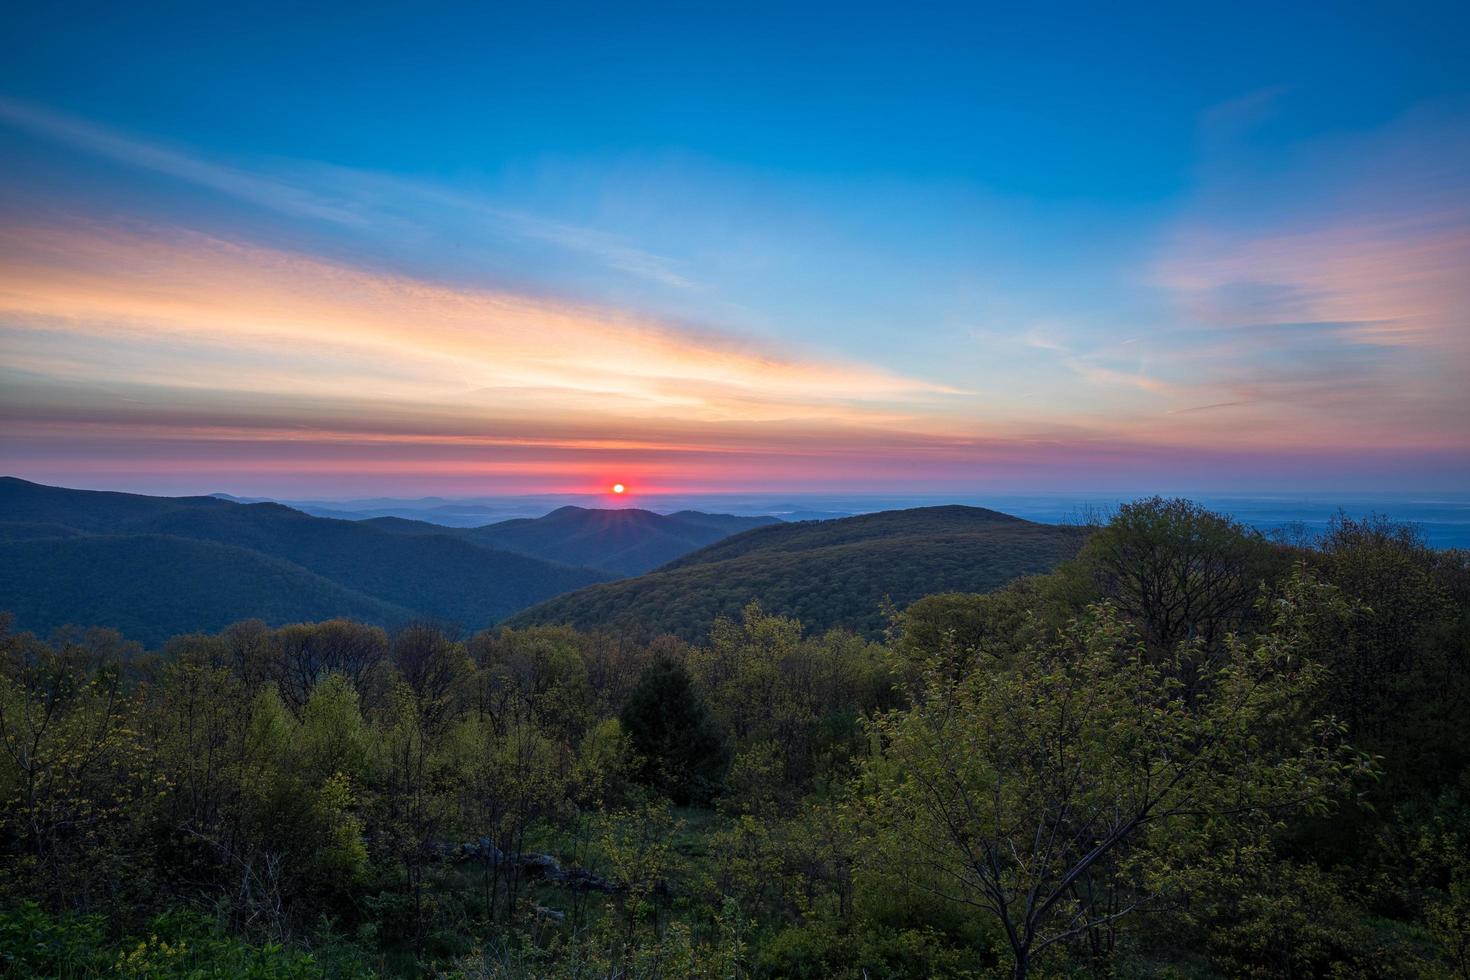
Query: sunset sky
(722, 248)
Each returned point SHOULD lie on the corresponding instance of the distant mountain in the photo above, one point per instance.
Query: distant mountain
(826, 573)
(621, 542)
(152, 587)
(436, 510)
(378, 575)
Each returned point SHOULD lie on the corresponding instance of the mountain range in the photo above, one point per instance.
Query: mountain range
(620, 542)
(154, 567)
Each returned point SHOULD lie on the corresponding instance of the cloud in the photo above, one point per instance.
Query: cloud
(1368, 230)
(257, 189)
(254, 318)
(1112, 377)
(340, 195)
(1326, 284)
(1397, 281)
(1309, 310)
(171, 352)
(1207, 408)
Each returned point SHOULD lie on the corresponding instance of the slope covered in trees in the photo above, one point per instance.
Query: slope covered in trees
(926, 522)
(428, 575)
(1187, 752)
(620, 542)
(153, 586)
(824, 573)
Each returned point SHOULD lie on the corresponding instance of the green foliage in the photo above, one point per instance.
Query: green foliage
(1296, 921)
(970, 632)
(1180, 572)
(1087, 779)
(177, 944)
(768, 683)
(539, 670)
(1036, 777)
(332, 739)
(829, 948)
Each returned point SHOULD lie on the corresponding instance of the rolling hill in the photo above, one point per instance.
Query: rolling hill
(826, 573)
(386, 575)
(621, 542)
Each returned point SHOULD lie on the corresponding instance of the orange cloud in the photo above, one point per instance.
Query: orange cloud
(303, 323)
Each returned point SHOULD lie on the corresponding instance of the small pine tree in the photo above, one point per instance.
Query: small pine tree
(683, 753)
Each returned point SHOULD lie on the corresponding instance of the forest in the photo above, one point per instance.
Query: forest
(1188, 751)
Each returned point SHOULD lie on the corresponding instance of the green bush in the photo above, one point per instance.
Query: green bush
(181, 944)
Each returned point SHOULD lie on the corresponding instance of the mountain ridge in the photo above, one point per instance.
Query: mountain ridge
(433, 576)
(620, 541)
(825, 573)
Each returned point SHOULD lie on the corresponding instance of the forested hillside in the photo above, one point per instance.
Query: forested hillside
(1185, 752)
(621, 542)
(152, 586)
(336, 567)
(824, 573)
(921, 522)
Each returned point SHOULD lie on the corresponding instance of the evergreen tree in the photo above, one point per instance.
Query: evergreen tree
(684, 754)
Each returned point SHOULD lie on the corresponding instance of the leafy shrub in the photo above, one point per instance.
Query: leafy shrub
(178, 943)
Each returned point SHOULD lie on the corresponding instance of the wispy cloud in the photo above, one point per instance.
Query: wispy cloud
(1207, 408)
(1329, 320)
(1108, 376)
(166, 300)
(1393, 282)
(255, 188)
(340, 195)
(1325, 291)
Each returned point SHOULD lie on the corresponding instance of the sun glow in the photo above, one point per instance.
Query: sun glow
(618, 488)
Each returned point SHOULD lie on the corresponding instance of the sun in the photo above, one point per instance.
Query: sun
(618, 488)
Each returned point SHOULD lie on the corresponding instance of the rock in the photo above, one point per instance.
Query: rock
(540, 865)
(544, 867)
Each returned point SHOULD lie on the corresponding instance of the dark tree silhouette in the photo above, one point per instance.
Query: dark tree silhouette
(684, 753)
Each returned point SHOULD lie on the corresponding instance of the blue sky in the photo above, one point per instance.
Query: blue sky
(967, 246)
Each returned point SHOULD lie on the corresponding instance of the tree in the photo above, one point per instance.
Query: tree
(432, 666)
(666, 719)
(70, 771)
(536, 673)
(303, 653)
(1084, 782)
(1180, 571)
(1389, 570)
(767, 683)
(970, 628)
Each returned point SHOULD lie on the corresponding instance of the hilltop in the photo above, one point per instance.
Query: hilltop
(825, 573)
(619, 542)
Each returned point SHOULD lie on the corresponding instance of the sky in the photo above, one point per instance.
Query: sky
(348, 251)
